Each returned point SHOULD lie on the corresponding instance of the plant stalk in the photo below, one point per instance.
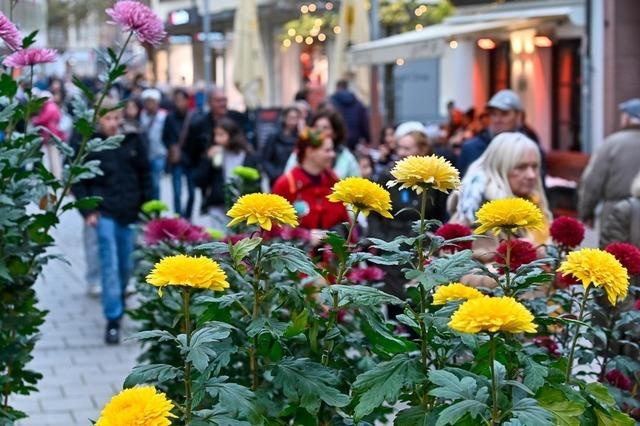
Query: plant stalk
(423, 295)
(575, 337)
(495, 409)
(187, 364)
(507, 267)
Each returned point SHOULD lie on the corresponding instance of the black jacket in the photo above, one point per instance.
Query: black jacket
(276, 152)
(211, 181)
(355, 116)
(172, 127)
(200, 134)
(125, 183)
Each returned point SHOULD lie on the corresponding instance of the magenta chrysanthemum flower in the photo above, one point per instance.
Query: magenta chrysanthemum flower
(168, 229)
(137, 17)
(29, 57)
(9, 33)
(367, 274)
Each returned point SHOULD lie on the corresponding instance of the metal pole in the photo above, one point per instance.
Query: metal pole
(206, 28)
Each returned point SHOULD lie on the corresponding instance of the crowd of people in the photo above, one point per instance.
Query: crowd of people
(200, 141)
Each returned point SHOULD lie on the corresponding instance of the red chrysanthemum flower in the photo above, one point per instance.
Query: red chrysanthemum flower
(564, 281)
(139, 18)
(167, 229)
(235, 238)
(9, 33)
(548, 343)
(29, 57)
(567, 231)
(522, 252)
(627, 254)
(636, 305)
(368, 274)
(618, 379)
(449, 231)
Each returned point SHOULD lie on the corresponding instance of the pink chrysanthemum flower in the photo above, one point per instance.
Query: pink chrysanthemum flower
(29, 57)
(9, 33)
(173, 229)
(139, 18)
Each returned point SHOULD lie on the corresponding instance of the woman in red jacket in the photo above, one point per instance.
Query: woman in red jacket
(307, 185)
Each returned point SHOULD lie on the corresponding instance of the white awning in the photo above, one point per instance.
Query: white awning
(432, 40)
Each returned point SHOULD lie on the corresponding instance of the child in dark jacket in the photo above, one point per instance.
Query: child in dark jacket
(125, 184)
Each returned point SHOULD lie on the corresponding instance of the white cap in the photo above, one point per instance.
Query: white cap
(408, 127)
(153, 94)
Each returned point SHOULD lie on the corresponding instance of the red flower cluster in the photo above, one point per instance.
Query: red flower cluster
(522, 252)
(567, 231)
(548, 343)
(167, 229)
(450, 231)
(287, 233)
(618, 379)
(369, 274)
(627, 254)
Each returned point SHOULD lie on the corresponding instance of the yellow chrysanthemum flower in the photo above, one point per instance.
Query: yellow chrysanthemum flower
(188, 271)
(492, 314)
(454, 291)
(508, 214)
(263, 209)
(422, 172)
(141, 406)
(362, 195)
(600, 269)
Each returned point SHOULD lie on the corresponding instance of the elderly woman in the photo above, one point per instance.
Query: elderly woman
(510, 167)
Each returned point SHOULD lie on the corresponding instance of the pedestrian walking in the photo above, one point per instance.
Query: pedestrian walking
(608, 176)
(623, 224)
(280, 144)
(354, 114)
(174, 136)
(125, 184)
(152, 119)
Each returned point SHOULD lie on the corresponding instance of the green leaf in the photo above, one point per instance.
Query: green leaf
(86, 203)
(534, 374)
(30, 39)
(614, 418)
(307, 383)
(359, 296)
(279, 257)
(218, 416)
(158, 335)
(154, 373)
(86, 91)
(201, 351)
(236, 398)
(7, 112)
(338, 245)
(416, 416)
(385, 382)
(83, 126)
(97, 144)
(381, 336)
(600, 393)
(530, 413)
(298, 324)
(8, 86)
(452, 387)
(453, 413)
(240, 250)
(565, 412)
(450, 268)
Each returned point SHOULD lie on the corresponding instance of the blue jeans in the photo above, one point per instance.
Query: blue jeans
(115, 242)
(157, 169)
(92, 255)
(177, 171)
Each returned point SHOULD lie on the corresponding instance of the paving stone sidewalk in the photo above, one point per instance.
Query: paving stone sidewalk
(80, 372)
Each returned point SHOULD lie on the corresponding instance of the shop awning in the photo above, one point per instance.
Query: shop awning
(432, 40)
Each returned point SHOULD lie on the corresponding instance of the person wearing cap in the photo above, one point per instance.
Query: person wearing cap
(152, 120)
(411, 139)
(505, 115)
(612, 168)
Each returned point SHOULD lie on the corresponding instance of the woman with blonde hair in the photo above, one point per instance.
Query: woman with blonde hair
(510, 167)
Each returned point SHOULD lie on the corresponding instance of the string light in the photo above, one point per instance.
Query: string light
(304, 8)
(322, 37)
(337, 29)
(313, 7)
(291, 32)
(286, 43)
(328, 6)
(299, 39)
(399, 62)
(419, 27)
(309, 40)
(453, 44)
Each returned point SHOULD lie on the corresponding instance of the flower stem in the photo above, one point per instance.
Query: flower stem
(423, 295)
(333, 316)
(575, 337)
(187, 364)
(507, 267)
(253, 362)
(495, 409)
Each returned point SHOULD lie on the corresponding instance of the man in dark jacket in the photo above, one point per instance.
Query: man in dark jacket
(279, 146)
(174, 137)
(505, 115)
(355, 114)
(123, 187)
